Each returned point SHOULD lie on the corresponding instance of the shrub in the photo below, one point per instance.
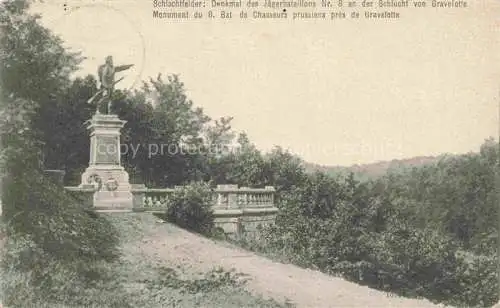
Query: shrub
(190, 207)
(473, 273)
(213, 280)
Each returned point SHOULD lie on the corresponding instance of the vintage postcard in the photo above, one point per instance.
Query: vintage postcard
(249, 153)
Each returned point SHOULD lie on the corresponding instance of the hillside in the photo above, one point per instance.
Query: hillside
(149, 243)
(372, 170)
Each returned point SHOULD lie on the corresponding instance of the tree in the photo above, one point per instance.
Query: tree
(247, 165)
(35, 67)
(49, 235)
(219, 136)
(169, 133)
(285, 170)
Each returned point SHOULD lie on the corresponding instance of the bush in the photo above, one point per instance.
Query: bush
(473, 273)
(190, 207)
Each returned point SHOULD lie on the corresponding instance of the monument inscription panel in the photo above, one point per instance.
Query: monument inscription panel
(107, 150)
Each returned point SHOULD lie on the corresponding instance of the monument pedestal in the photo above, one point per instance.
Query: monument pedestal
(105, 171)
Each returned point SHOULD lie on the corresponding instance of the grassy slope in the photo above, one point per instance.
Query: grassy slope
(156, 285)
(141, 282)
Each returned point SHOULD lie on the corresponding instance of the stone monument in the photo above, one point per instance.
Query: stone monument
(105, 173)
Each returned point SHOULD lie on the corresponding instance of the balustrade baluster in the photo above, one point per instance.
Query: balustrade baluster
(242, 202)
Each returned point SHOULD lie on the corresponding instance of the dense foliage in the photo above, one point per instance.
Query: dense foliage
(190, 207)
(427, 232)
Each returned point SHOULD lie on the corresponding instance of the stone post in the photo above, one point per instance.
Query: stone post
(139, 193)
(233, 196)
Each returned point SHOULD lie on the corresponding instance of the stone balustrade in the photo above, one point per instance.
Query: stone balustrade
(236, 209)
(232, 197)
(224, 197)
(150, 199)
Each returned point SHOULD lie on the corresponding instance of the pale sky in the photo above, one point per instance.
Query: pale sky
(336, 92)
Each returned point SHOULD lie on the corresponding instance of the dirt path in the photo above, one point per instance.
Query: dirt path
(166, 244)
